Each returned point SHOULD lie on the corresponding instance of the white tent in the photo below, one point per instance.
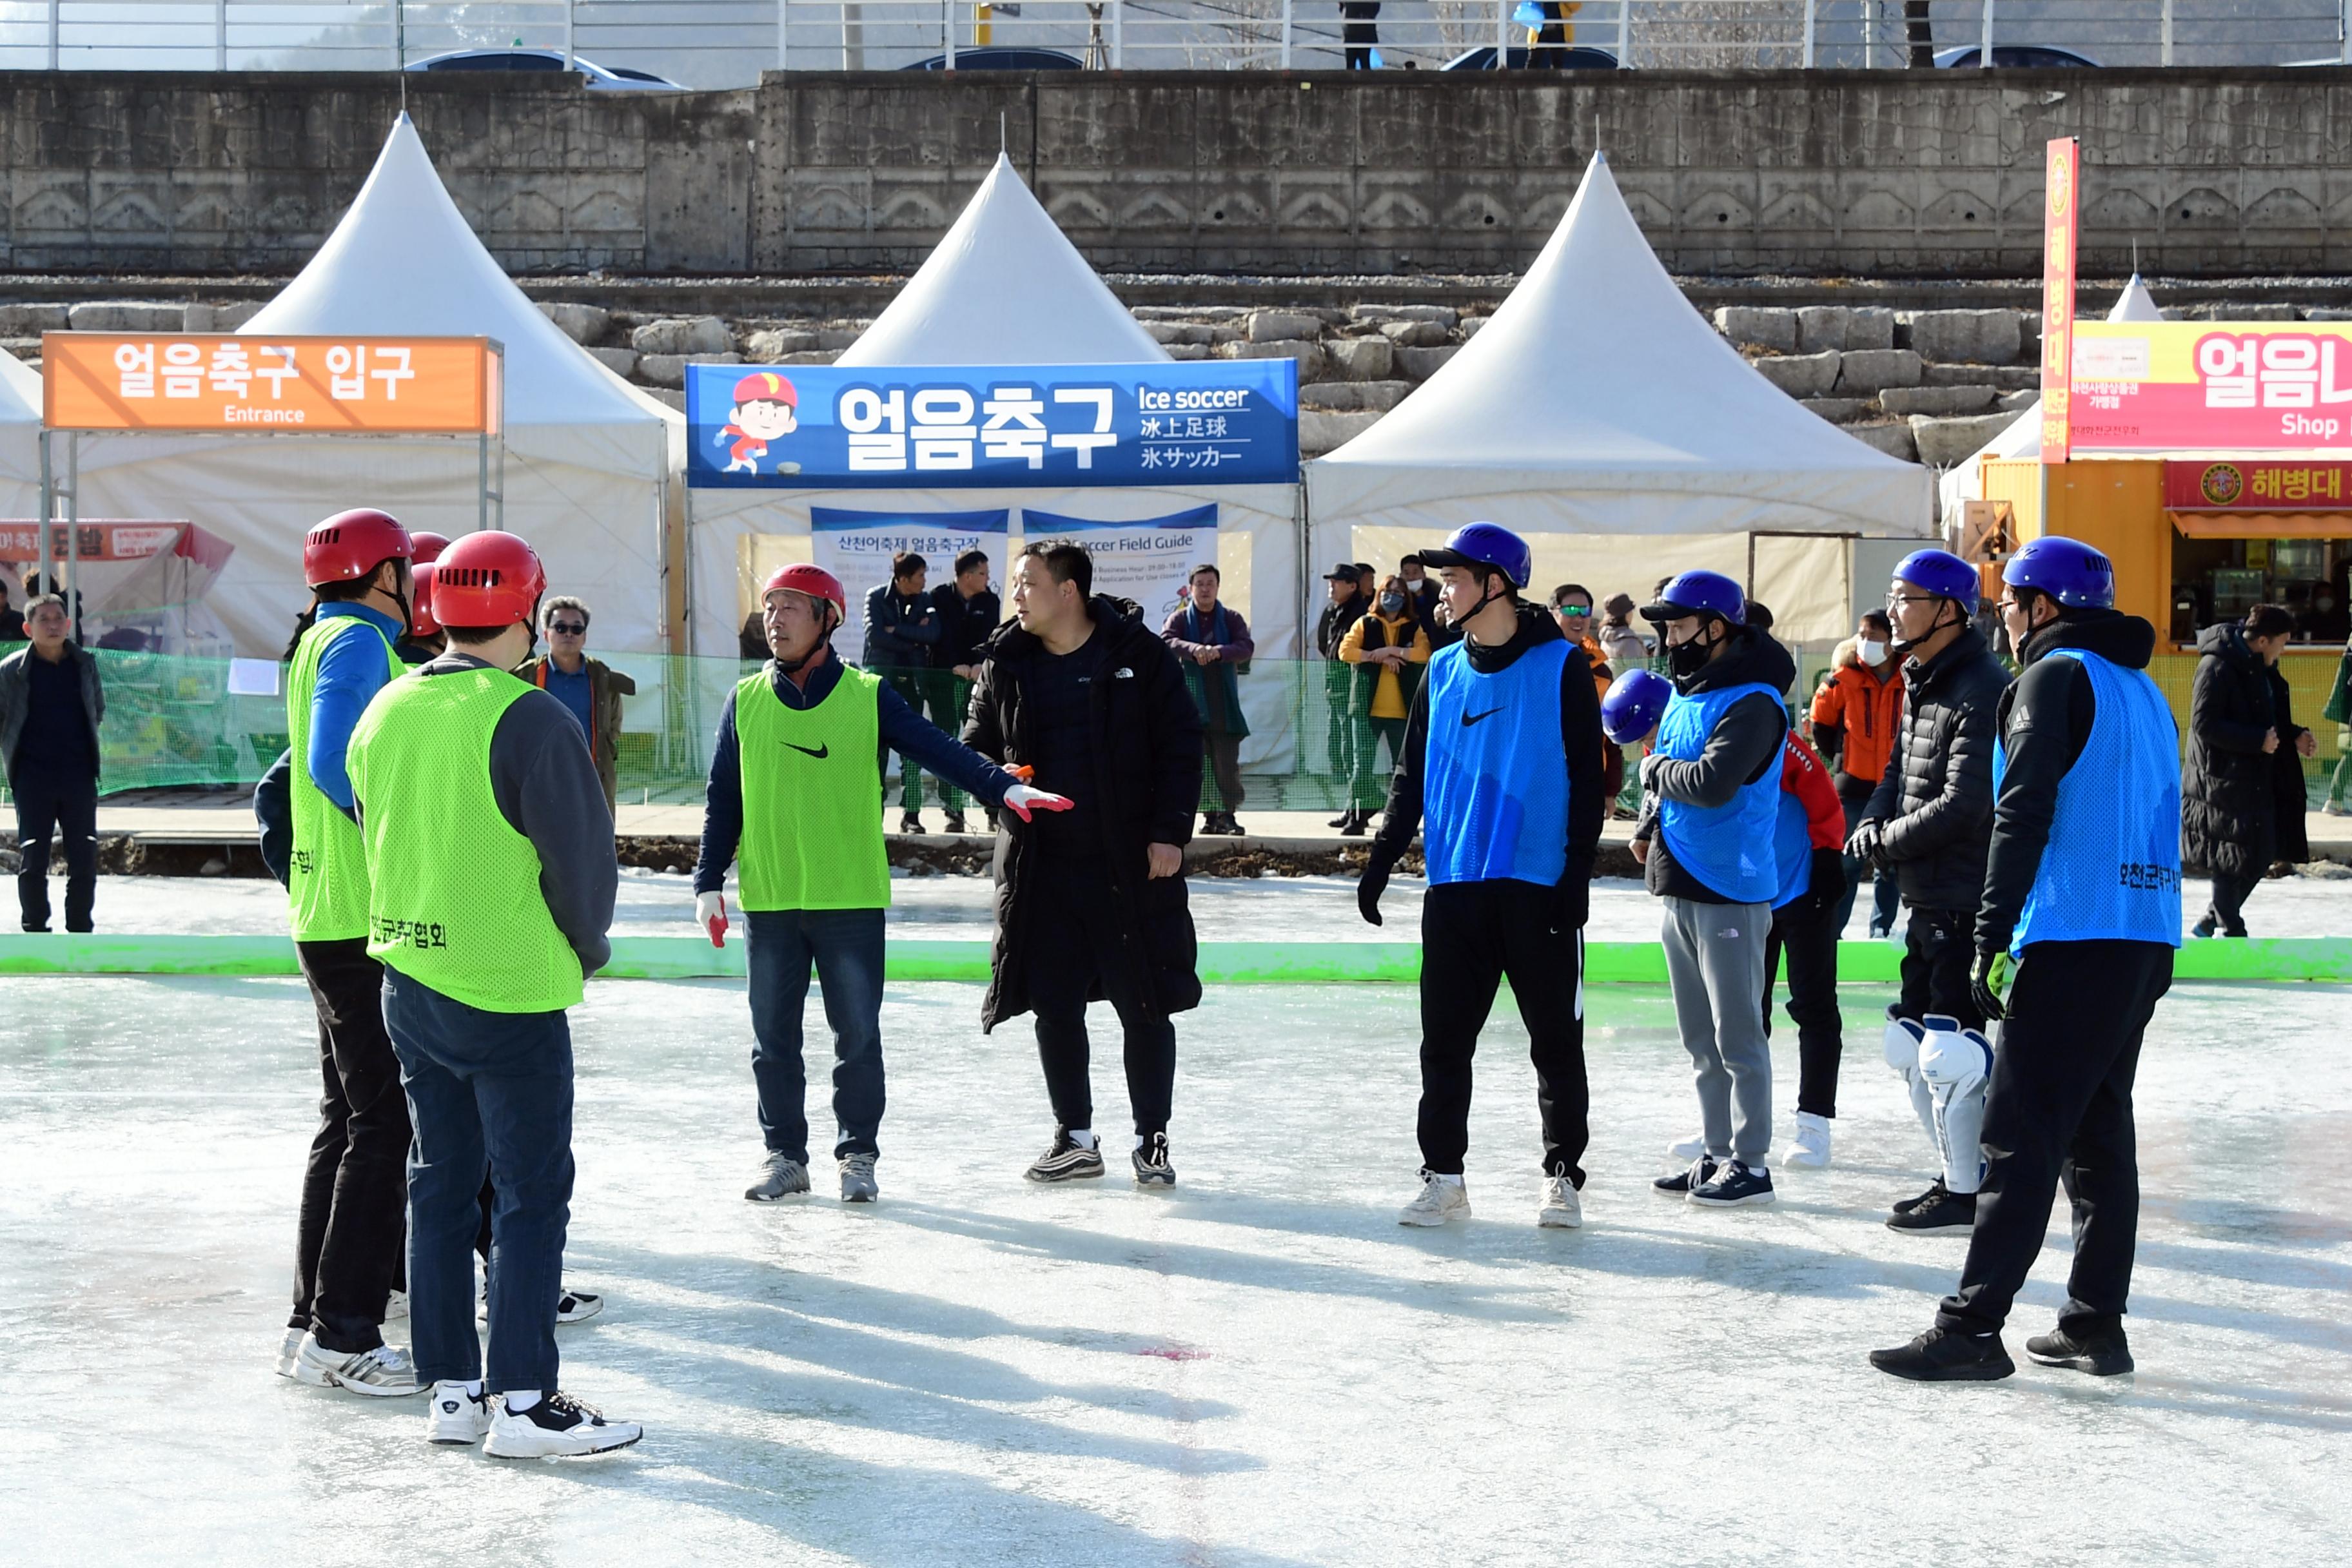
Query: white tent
(1597, 402)
(1006, 286)
(20, 438)
(588, 458)
(2021, 439)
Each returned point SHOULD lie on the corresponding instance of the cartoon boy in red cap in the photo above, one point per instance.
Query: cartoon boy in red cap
(767, 408)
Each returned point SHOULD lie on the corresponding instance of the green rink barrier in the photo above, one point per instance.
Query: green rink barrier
(2320, 959)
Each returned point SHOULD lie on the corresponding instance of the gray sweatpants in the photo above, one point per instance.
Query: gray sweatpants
(1715, 959)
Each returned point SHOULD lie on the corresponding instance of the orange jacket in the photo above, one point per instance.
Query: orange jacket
(1868, 713)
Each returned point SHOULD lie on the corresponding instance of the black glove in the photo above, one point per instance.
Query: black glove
(1863, 847)
(1575, 893)
(1990, 985)
(1828, 885)
(1374, 882)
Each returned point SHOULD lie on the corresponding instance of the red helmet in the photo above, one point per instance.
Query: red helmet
(426, 548)
(352, 544)
(814, 581)
(766, 386)
(488, 579)
(420, 613)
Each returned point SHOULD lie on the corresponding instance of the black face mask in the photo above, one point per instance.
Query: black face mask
(1687, 659)
(1392, 604)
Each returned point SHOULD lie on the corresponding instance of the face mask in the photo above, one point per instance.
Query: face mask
(1392, 604)
(1689, 657)
(1871, 652)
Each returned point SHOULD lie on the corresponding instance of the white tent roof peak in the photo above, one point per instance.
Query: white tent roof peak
(1596, 374)
(1004, 285)
(403, 261)
(2135, 303)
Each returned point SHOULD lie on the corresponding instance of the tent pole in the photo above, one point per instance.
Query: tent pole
(73, 531)
(481, 481)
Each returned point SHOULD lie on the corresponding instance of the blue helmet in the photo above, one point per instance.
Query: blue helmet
(1942, 574)
(1699, 594)
(1633, 704)
(1486, 545)
(2068, 570)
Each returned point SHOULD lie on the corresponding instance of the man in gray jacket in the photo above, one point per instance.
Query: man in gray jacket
(51, 705)
(1930, 823)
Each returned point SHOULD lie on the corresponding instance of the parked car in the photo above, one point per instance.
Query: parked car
(617, 79)
(1564, 56)
(2015, 57)
(998, 57)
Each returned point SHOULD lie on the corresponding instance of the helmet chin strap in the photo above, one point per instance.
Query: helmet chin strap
(817, 648)
(1898, 643)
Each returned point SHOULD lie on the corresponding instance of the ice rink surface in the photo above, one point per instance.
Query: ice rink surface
(1257, 1368)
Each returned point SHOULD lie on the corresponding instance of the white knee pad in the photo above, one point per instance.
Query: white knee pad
(1904, 1039)
(1956, 1065)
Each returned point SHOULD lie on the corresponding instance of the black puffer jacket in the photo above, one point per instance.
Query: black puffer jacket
(1935, 799)
(1146, 787)
(2229, 796)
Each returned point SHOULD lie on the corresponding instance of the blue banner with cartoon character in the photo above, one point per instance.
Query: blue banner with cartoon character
(1218, 422)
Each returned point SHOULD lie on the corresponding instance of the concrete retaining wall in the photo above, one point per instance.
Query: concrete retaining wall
(2213, 173)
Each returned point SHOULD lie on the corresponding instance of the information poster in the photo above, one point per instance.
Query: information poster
(1148, 560)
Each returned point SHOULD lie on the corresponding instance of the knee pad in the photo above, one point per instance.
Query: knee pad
(1957, 1064)
(1955, 1060)
(1904, 1039)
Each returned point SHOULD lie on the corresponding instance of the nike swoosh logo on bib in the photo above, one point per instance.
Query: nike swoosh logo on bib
(1470, 718)
(819, 752)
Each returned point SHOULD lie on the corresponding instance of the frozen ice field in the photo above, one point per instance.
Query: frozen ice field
(1258, 1368)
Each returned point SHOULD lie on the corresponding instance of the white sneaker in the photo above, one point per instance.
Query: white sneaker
(1561, 1209)
(289, 1352)
(558, 1427)
(1810, 1147)
(1440, 1199)
(1685, 1149)
(858, 1183)
(456, 1418)
(385, 1372)
(571, 1307)
(395, 1307)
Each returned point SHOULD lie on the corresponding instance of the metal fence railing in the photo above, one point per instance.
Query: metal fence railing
(173, 722)
(728, 43)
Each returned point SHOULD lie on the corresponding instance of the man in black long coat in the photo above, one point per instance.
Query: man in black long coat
(2242, 797)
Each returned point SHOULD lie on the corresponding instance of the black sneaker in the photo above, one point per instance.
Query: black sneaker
(955, 823)
(1358, 824)
(1936, 1191)
(1151, 1166)
(908, 822)
(1734, 1185)
(1067, 1160)
(1234, 829)
(1343, 818)
(1941, 1356)
(1679, 1184)
(1941, 1213)
(2101, 1355)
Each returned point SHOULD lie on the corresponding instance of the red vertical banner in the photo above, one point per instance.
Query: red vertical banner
(2061, 184)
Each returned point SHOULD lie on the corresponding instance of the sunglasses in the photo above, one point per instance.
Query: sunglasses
(568, 629)
(1571, 609)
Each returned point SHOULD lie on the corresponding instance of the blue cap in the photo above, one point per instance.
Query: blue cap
(1699, 594)
(1633, 705)
(2068, 570)
(1486, 545)
(1942, 574)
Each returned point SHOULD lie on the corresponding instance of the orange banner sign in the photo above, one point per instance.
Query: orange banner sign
(223, 383)
(2062, 187)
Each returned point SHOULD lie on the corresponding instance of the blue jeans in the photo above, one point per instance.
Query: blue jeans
(845, 946)
(487, 1092)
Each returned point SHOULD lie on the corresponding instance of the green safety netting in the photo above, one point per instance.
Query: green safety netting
(173, 722)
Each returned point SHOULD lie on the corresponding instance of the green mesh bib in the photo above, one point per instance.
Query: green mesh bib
(812, 799)
(455, 901)
(326, 878)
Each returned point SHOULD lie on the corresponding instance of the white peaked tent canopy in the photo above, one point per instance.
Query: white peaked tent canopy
(588, 458)
(2021, 439)
(1004, 285)
(20, 438)
(1598, 401)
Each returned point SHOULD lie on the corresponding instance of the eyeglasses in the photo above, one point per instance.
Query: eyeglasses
(1900, 600)
(568, 629)
(2006, 605)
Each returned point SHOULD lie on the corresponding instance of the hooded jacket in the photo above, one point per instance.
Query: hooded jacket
(1745, 741)
(2045, 722)
(2228, 798)
(1145, 784)
(1935, 797)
